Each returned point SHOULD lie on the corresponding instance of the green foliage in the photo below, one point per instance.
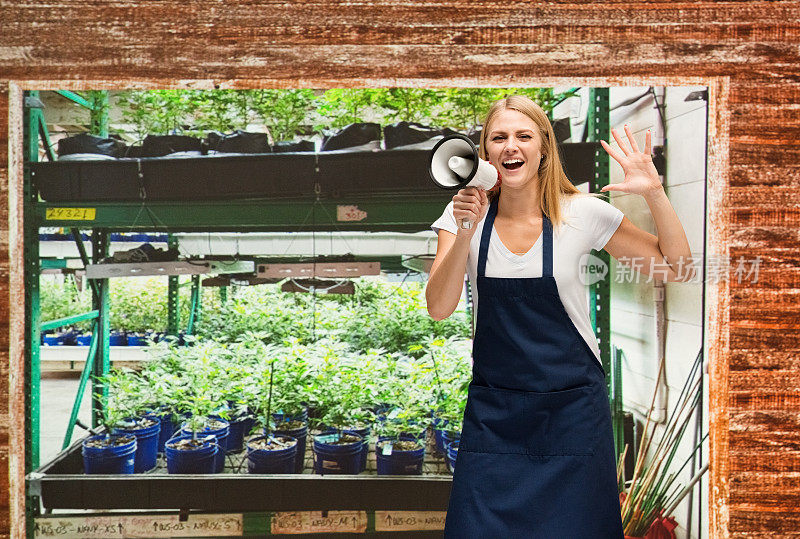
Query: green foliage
(465, 108)
(410, 104)
(380, 315)
(262, 310)
(339, 107)
(284, 112)
(341, 386)
(137, 304)
(219, 110)
(59, 299)
(157, 112)
(128, 397)
(396, 319)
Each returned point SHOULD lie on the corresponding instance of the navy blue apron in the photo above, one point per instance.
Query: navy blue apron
(536, 458)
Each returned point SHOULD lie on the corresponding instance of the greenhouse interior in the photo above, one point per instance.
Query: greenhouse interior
(227, 323)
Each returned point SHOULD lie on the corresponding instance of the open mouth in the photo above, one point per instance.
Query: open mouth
(513, 164)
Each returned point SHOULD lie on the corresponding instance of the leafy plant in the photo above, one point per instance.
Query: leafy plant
(59, 299)
(156, 112)
(284, 112)
(339, 107)
(219, 110)
(465, 108)
(127, 398)
(409, 104)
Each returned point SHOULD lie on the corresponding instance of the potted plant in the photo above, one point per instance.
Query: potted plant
(203, 437)
(269, 453)
(235, 374)
(110, 453)
(164, 376)
(292, 378)
(130, 393)
(398, 450)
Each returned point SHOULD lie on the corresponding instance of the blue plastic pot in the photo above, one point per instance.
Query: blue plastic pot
(364, 433)
(168, 429)
(118, 338)
(84, 339)
(137, 339)
(271, 461)
(449, 436)
(220, 434)
(452, 453)
(332, 458)
(113, 459)
(146, 444)
(195, 461)
(300, 434)
(438, 428)
(239, 427)
(280, 417)
(400, 462)
(68, 337)
(53, 339)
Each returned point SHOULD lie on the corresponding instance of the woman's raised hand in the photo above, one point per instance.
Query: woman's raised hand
(471, 204)
(641, 176)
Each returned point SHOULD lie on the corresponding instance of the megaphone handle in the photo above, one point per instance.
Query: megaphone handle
(466, 224)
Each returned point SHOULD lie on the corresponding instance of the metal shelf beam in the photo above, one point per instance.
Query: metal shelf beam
(382, 214)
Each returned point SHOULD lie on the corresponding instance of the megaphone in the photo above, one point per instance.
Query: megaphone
(454, 164)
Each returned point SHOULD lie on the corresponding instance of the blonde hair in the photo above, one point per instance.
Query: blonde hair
(553, 182)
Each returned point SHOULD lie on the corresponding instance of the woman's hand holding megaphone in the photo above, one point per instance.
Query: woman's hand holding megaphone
(470, 206)
(455, 164)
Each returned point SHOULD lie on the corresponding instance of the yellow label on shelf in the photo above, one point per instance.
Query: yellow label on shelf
(70, 214)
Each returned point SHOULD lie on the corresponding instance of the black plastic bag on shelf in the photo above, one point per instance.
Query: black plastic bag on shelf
(293, 146)
(239, 142)
(405, 133)
(86, 143)
(134, 151)
(365, 136)
(562, 129)
(159, 145)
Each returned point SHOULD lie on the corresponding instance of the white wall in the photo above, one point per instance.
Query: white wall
(632, 304)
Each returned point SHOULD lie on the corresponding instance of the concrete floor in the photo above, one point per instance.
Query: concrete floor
(58, 393)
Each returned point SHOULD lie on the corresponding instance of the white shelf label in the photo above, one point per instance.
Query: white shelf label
(388, 521)
(101, 527)
(315, 522)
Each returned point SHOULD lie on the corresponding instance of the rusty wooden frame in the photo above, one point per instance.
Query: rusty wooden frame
(716, 345)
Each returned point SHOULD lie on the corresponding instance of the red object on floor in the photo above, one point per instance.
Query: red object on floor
(662, 528)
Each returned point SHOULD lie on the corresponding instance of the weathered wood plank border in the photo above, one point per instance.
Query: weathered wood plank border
(746, 52)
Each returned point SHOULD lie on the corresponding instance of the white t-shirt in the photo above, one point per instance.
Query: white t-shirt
(589, 223)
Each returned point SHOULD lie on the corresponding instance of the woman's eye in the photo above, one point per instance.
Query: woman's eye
(498, 138)
(525, 136)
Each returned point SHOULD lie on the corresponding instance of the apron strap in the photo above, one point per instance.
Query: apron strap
(547, 247)
(486, 235)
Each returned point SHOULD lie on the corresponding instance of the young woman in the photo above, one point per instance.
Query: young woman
(536, 457)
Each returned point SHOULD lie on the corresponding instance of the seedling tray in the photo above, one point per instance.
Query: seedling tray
(61, 484)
